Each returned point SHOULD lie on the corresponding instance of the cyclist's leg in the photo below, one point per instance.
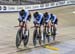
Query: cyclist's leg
(42, 30)
(54, 29)
(38, 30)
(26, 25)
(45, 32)
(48, 31)
(49, 28)
(34, 35)
(26, 28)
(20, 24)
(55, 24)
(43, 37)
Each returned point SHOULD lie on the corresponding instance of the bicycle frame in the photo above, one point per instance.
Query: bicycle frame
(21, 26)
(37, 27)
(46, 27)
(53, 27)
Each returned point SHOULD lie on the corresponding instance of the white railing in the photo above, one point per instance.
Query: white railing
(15, 8)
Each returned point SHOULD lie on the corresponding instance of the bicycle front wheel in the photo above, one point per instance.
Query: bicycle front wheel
(53, 32)
(26, 38)
(18, 38)
(34, 37)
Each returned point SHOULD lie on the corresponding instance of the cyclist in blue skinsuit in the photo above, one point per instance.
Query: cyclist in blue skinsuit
(47, 21)
(24, 16)
(50, 19)
(38, 18)
(54, 21)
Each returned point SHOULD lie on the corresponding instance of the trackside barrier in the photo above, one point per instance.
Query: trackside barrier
(16, 8)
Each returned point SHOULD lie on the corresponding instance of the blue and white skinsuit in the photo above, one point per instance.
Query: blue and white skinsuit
(24, 18)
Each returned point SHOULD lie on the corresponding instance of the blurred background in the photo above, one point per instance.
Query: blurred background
(25, 2)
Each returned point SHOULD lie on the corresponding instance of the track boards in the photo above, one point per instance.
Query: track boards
(47, 46)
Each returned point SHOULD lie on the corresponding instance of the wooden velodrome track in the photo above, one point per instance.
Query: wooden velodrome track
(66, 29)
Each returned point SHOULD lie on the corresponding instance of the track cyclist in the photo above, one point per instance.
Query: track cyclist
(54, 21)
(38, 18)
(24, 17)
(38, 21)
(47, 21)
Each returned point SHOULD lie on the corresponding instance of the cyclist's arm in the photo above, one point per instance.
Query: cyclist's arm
(29, 17)
(41, 16)
(54, 18)
(19, 17)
